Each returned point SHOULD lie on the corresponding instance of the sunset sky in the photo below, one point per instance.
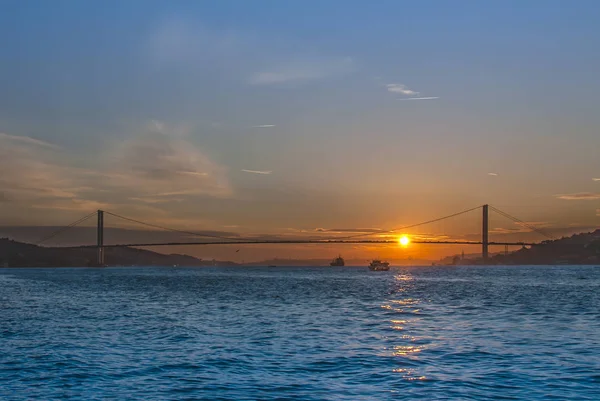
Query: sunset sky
(297, 117)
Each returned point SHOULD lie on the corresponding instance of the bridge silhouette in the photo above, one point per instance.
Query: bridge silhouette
(350, 239)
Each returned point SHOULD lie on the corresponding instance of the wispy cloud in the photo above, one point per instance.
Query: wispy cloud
(401, 89)
(162, 161)
(187, 223)
(40, 178)
(302, 70)
(153, 200)
(348, 230)
(493, 174)
(182, 192)
(257, 171)
(579, 196)
(519, 228)
(264, 126)
(420, 98)
(27, 140)
(595, 179)
(179, 40)
(158, 166)
(193, 173)
(72, 204)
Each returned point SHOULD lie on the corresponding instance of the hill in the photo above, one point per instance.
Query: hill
(578, 249)
(20, 254)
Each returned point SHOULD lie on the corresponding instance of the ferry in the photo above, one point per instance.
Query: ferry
(378, 265)
(339, 261)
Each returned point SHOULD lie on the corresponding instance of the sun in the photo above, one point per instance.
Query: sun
(404, 240)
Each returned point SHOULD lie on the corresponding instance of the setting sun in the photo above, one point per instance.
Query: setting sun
(404, 240)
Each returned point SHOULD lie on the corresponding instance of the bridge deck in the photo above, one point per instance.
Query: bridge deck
(274, 242)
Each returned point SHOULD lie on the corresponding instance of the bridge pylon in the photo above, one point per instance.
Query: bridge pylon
(100, 238)
(484, 233)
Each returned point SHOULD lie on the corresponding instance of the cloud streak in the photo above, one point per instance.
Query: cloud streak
(264, 126)
(28, 141)
(264, 172)
(154, 200)
(579, 196)
(493, 174)
(520, 229)
(349, 230)
(193, 173)
(300, 71)
(420, 98)
(595, 179)
(401, 89)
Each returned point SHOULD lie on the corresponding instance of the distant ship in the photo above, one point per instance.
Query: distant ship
(339, 261)
(378, 265)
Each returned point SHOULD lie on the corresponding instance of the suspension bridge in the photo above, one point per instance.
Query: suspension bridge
(214, 240)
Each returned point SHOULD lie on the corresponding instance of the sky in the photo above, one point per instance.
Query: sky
(301, 117)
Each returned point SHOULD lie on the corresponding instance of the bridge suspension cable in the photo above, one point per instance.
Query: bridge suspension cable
(227, 240)
(336, 238)
(65, 228)
(410, 226)
(173, 229)
(522, 223)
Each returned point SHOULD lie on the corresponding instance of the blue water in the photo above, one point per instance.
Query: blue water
(300, 333)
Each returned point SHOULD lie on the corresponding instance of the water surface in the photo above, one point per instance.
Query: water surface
(300, 333)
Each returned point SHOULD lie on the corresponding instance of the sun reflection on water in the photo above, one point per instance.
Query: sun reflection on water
(398, 324)
(409, 374)
(407, 301)
(407, 310)
(407, 350)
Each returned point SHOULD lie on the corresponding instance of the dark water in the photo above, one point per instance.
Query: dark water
(300, 333)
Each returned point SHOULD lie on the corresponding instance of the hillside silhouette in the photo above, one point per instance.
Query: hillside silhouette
(578, 249)
(20, 254)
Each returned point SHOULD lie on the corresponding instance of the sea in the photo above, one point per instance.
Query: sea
(300, 333)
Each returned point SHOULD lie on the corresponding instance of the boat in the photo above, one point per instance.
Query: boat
(339, 261)
(378, 265)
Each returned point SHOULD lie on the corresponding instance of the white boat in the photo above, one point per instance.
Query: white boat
(378, 265)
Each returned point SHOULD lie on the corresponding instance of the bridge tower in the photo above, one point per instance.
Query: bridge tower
(100, 238)
(484, 233)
